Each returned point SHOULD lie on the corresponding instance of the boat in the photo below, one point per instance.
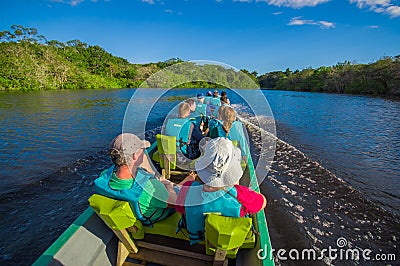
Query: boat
(89, 241)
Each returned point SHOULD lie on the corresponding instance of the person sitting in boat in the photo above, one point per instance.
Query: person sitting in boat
(224, 102)
(227, 126)
(208, 97)
(202, 109)
(216, 94)
(217, 190)
(187, 133)
(132, 179)
(215, 102)
(225, 96)
(192, 107)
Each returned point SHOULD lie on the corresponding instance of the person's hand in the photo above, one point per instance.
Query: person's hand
(191, 176)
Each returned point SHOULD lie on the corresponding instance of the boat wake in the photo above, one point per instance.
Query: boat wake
(323, 207)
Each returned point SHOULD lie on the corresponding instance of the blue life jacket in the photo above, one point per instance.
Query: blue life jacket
(235, 133)
(201, 109)
(207, 99)
(215, 101)
(199, 202)
(180, 128)
(215, 113)
(131, 195)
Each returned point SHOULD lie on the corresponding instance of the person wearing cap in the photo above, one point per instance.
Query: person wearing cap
(216, 94)
(132, 179)
(208, 97)
(218, 190)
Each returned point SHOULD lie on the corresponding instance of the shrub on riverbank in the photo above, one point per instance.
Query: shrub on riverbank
(378, 78)
(30, 62)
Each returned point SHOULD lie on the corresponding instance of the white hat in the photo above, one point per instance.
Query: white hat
(220, 164)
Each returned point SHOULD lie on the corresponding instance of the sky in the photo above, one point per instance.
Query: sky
(257, 35)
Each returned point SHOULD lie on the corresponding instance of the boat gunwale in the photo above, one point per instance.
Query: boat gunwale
(260, 217)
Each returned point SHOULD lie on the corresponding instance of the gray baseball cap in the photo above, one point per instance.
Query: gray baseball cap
(124, 146)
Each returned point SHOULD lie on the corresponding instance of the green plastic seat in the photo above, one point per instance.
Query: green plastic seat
(166, 145)
(118, 215)
(228, 233)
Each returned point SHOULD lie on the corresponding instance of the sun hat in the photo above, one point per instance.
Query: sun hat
(124, 146)
(200, 96)
(219, 166)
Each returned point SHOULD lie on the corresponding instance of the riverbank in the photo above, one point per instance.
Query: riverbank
(33, 63)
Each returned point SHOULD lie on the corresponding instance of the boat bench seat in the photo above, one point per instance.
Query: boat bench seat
(223, 235)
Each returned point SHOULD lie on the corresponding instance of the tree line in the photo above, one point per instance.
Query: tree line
(378, 78)
(28, 61)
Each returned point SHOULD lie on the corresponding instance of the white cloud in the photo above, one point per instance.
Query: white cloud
(326, 24)
(373, 27)
(169, 11)
(277, 13)
(151, 2)
(288, 3)
(75, 2)
(393, 11)
(370, 3)
(297, 21)
(68, 2)
(218, 1)
(379, 6)
(295, 3)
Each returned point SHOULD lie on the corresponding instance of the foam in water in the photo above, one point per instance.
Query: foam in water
(322, 204)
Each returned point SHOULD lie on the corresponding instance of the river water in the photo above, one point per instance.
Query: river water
(335, 173)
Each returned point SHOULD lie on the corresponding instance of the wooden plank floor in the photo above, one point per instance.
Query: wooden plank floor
(159, 250)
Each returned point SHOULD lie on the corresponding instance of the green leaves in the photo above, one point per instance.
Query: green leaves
(378, 78)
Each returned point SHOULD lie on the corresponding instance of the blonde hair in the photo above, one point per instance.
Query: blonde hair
(228, 115)
(184, 109)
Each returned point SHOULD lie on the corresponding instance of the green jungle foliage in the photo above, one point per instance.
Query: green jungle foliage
(378, 78)
(29, 61)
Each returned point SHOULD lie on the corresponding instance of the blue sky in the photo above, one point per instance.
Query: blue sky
(260, 35)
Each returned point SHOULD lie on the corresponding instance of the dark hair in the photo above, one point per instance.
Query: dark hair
(224, 99)
(223, 93)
